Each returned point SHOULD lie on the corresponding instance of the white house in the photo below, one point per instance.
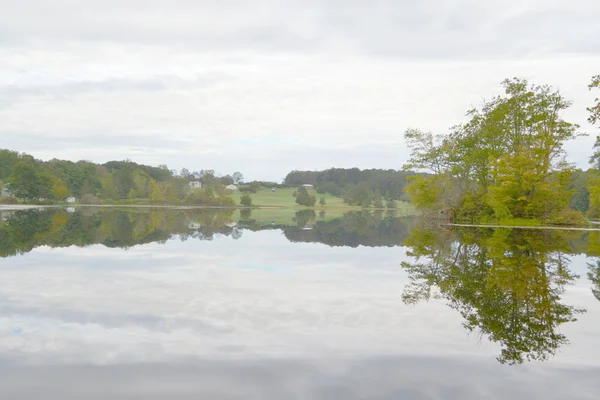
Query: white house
(308, 186)
(71, 199)
(231, 187)
(194, 225)
(195, 185)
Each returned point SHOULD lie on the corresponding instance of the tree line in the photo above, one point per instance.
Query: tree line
(357, 187)
(24, 177)
(507, 161)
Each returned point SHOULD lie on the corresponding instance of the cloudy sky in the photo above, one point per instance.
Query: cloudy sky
(265, 87)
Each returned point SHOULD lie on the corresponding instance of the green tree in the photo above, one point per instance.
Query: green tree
(303, 198)
(45, 186)
(506, 161)
(59, 188)
(156, 195)
(23, 182)
(322, 201)
(246, 200)
(359, 195)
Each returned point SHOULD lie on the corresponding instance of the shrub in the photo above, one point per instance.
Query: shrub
(90, 199)
(568, 217)
(8, 200)
(391, 204)
(322, 201)
(246, 200)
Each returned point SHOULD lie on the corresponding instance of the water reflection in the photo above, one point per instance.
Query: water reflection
(22, 231)
(506, 283)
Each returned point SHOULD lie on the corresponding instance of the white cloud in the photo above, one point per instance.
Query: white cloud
(265, 89)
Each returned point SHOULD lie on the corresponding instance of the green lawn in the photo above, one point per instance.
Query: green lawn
(283, 198)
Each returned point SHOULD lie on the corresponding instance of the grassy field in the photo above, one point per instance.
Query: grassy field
(283, 198)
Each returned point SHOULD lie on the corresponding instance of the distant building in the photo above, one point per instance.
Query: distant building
(231, 224)
(231, 187)
(308, 186)
(195, 184)
(71, 199)
(71, 209)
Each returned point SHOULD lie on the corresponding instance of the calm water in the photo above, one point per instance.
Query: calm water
(184, 304)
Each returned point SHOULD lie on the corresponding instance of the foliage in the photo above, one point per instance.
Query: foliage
(507, 161)
(339, 181)
(246, 200)
(322, 201)
(360, 195)
(212, 196)
(506, 283)
(303, 198)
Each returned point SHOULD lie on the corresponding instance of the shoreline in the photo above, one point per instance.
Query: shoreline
(20, 207)
(550, 227)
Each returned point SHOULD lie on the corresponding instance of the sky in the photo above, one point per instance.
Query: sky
(265, 87)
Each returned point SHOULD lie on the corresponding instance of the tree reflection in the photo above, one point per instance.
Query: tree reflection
(594, 277)
(506, 284)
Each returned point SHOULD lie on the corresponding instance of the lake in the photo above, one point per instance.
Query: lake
(272, 304)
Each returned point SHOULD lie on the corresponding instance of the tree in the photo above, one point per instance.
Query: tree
(156, 196)
(359, 195)
(59, 188)
(322, 201)
(246, 200)
(305, 199)
(23, 182)
(506, 161)
(237, 177)
(45, 186)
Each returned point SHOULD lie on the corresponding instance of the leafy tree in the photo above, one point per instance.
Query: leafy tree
(23, 182)
(506, 161)
(322, 201)
(391, 204)
(156, 195)
(45, 186)
(237, 177)
(303, 198)
(359, 195)
(59, 188)
(246, 200)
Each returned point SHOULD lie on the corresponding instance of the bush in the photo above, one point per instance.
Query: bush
(322, 201)
(209, 198)
(90, 199)
(304, 199)
(568, 217)
(8, 200)
(391, 204)
(246, 200)
(378, 204)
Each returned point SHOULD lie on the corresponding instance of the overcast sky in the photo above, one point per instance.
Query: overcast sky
(268, 86)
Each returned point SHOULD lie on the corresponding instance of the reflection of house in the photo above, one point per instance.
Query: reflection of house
(195, 185)
(231, 224)
(70, 209)
(194, 225)
(231, 187)
(308, 186)
(71, 199)
(307, 228)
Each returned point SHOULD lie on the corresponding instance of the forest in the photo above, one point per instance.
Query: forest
(507, 162)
